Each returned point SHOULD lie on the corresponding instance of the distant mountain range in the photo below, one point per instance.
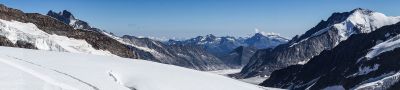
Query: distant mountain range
(225, 47)
(228, 43)
(193, 53)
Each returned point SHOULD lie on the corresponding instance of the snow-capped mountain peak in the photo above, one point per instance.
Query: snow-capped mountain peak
(208, 38)
(259, 35)
(363, 21)
(267, 33)
(356, 21)
(363, 10)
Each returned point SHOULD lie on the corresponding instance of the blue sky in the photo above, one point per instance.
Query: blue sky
(190, 18)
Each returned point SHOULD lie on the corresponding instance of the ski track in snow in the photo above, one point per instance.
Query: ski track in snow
(73, 71)
(94, 88)
(39, 75)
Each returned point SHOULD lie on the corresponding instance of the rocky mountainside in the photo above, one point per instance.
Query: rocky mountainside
(194, 57)
(367, 61)
(46, 33)
(325, 36)
(239, 56)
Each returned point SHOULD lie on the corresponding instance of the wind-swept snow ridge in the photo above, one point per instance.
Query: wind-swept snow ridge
(18, 31)
(62, 70)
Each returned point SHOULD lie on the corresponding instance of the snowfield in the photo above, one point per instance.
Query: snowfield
(49, 70)
(253, 80)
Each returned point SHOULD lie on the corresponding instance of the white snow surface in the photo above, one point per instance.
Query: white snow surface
(45, 70)
(225, 72)
(368, 69)
(336, 87)
(14, 31)
(255, 80)
(388, 45)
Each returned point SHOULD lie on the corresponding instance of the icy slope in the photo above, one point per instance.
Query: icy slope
(28, 32)
(72, 71)
(361, 21)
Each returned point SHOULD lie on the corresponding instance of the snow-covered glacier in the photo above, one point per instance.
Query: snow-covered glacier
(49, 70)
(29, 32)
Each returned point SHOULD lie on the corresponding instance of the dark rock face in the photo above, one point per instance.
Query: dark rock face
(267, 60)
(67, 17)
(239, 56)
(21, 44)
(325, 36)
(54, 26)
(5, 42)
(346, 65)
(333, 19)
(194, 57)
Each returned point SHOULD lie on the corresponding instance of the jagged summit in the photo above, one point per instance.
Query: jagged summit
(63, 14)
(210, 37)
(365, 11)
(68, 18)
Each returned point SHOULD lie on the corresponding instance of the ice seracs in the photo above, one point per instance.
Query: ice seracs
(28, 32)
